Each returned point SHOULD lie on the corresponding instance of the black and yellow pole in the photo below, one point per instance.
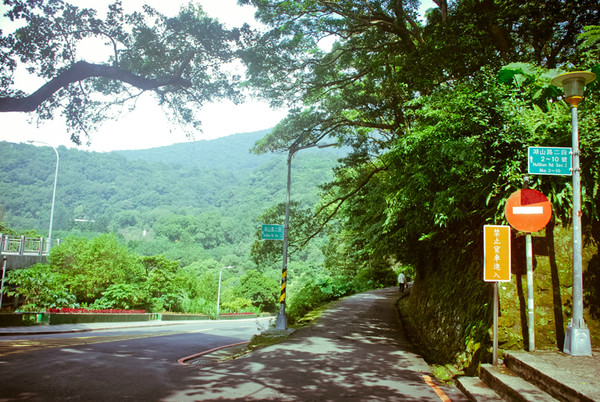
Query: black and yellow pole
(281, 322)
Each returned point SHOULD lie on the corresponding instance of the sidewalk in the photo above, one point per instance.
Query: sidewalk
(356, 351)
(575, 376)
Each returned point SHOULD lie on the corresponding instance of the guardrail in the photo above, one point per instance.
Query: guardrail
(22, 245)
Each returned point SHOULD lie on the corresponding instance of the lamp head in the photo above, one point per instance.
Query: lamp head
(573, 85)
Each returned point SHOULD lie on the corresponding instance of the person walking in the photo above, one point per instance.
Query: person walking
(401, 282)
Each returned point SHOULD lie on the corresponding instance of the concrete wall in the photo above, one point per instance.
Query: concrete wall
(22, 261)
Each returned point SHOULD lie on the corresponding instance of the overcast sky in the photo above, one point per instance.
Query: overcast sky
(147, 126)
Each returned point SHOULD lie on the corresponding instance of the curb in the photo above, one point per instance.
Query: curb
(183, 360)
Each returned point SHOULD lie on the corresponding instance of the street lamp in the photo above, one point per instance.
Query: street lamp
(281, 322)
(219, 292)
(577, 338)
(53, 191)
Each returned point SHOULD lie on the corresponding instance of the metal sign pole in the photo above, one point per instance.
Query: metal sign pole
(3, 272)
(496, 303)
(577, 340)
(530, 308)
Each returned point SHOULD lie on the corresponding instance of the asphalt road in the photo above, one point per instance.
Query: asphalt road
(138, 364)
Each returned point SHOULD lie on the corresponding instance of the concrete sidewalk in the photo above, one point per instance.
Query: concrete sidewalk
(356, 351)
(559, 374)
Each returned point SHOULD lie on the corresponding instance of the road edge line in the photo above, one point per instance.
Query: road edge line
(441, 394)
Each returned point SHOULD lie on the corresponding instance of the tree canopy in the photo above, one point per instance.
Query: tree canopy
(371, 87)
(439, 113)
(180, 60)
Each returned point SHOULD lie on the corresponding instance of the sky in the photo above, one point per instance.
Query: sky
(147, 126)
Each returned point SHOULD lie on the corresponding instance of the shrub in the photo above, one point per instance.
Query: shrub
(315, 293)
(41, 288)
(121, 296)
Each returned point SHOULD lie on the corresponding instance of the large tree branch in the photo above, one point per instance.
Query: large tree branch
(336, 204)
(78, 72)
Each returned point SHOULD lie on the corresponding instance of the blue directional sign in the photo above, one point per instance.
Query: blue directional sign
(550, 161)
(271, 232)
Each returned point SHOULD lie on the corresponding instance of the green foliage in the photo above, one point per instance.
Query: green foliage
(179, 59)
(162, 284)
(260, 289)
(314, 292)
(41, 288)
(239, 304)
(122, 296)
(88, 268)
(374, 276)
(5, 230)
(197, 305)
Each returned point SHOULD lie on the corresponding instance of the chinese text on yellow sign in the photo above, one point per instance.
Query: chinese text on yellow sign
(496, 253)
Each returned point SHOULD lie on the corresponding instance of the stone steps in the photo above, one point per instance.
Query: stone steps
(536, 376)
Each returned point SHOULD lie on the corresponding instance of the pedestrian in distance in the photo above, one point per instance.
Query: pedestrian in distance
(401, 282)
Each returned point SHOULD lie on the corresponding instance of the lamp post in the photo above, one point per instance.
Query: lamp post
(577, 338)
(281, 321)
(219, 292)
(53, 191)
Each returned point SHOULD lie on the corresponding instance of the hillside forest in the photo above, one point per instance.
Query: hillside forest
(151, 229)
(435, 112)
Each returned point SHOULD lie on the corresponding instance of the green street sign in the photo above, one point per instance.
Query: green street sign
(550, 161)
(271, 232)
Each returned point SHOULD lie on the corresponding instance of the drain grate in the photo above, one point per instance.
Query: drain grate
(202, 362)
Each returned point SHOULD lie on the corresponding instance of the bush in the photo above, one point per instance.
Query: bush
(315, 293)
(197, 305)
(122, 296)
(239, 304)
(41, 288)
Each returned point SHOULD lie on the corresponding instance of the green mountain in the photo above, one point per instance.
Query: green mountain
(208, 193)
(227, 153)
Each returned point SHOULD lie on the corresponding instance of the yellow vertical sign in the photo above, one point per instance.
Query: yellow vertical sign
(496, 253)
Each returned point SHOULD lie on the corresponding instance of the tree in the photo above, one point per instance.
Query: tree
(259, 288)
(384, 57)
(179, 60)
(371, 88)
(41, 287)
(89, 267)
(437, 139)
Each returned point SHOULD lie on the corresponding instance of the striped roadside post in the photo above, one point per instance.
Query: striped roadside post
(281, 322)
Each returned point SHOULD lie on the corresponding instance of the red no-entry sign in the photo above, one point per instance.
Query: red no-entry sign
(528, 210)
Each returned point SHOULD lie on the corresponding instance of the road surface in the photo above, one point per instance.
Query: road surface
(138, 364)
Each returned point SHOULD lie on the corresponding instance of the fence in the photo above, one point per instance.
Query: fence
(27, 246)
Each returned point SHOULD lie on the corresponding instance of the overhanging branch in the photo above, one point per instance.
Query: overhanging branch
(80, 71)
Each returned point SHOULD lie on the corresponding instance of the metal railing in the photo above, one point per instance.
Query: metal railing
(22, 245)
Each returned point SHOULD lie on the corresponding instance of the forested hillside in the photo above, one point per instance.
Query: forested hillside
(209, 193)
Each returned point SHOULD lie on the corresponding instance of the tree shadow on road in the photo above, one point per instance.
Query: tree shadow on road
(352, 353)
